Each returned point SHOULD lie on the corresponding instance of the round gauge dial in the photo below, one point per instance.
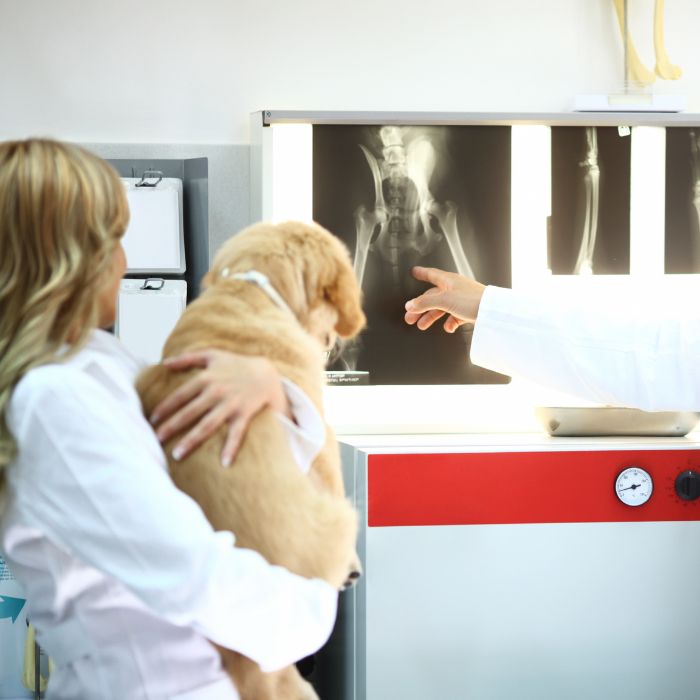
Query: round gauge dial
(634, 486)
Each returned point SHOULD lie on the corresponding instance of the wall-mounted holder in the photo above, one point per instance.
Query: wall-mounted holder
(154, 240)
(194, 174)
(168, 199)
(148, 311)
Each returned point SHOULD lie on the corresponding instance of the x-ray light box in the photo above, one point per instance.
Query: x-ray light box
(566, 204)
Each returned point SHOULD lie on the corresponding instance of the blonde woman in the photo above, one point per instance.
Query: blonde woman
(125, 579)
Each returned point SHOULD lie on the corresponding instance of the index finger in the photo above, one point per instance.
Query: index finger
(188, 360)
(430, 274)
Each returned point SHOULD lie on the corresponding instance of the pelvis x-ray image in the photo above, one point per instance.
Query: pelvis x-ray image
(590, 225)
(682, 235)
(400, 196)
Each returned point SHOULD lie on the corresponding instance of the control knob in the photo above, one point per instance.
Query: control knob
(688, 485)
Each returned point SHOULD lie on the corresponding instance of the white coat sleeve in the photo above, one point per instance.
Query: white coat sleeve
(615, 356)
(86, 481)
(307, 433)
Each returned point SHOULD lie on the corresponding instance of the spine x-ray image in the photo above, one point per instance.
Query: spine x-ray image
(682, 220)
(400, 196)
(590, 225)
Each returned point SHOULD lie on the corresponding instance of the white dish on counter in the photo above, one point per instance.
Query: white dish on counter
(578, 421)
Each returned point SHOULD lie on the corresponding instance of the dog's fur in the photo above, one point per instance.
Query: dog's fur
(302, 522)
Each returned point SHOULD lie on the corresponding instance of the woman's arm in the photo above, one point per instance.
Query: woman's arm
(91, 475)
(230, 389)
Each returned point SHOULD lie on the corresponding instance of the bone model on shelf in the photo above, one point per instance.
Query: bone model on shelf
(637, 72)
(405, 212)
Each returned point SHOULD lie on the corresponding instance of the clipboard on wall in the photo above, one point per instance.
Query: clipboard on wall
(147, 312)
(154, 241)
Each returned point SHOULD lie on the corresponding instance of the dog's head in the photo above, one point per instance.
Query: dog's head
(308, 266)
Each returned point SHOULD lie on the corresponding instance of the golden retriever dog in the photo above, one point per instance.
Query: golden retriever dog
(300, 521)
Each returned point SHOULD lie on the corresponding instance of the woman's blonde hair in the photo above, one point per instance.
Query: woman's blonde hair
(62, 213)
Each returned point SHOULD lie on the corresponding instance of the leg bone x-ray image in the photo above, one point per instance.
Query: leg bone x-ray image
(590, 225)
(401, 196)
(682, 242)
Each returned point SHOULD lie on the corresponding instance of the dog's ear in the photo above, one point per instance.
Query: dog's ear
(333, 281)
(344, 294)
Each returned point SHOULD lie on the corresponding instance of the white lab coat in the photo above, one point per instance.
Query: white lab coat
(615, 353)
(125, 579)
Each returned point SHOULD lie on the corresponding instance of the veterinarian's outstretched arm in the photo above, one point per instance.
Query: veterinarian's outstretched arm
(230, 389)
(642, 355)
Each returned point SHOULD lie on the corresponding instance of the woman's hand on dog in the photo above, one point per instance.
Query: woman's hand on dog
(230, 389)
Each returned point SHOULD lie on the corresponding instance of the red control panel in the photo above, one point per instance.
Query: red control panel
(478, 488)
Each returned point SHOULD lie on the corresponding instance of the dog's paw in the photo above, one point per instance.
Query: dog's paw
(354, 573)
(351, 580)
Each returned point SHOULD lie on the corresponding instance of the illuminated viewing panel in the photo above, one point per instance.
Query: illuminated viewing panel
(682, 190)
(588, 207)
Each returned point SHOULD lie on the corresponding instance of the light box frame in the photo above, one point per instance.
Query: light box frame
(471, 408)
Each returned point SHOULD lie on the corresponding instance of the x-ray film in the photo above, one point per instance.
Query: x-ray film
(682, 235)
(590, 225)
(400, 196)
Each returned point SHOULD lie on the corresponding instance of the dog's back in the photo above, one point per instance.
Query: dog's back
(263, 498)
(302, 522)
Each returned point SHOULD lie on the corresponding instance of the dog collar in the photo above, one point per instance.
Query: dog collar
(260, 280)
